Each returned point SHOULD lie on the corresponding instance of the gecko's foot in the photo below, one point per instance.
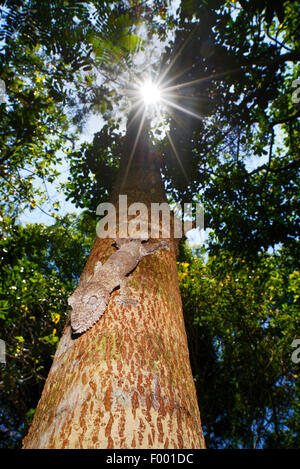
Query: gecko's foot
(154, 245)
(125, 301)
(164, 244)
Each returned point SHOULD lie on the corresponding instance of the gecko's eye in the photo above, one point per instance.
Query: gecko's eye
(93, 300)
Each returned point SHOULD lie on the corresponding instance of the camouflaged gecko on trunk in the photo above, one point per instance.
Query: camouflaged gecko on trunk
(90, 299)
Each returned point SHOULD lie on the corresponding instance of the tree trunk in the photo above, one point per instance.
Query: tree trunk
(126, 382)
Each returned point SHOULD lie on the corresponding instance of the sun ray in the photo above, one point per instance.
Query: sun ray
(183, 109)
(179, 74)
(176, 118)
(171, 64)
(189, 98)
(134, 147)
(190, 113)
(199, 80)
(177, 156)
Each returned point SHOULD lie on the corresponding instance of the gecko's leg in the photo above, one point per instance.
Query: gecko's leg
(125, 298)
(154, 245)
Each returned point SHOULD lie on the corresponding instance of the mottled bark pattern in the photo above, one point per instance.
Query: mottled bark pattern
(126, 382)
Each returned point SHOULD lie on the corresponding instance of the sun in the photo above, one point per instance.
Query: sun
(150, 93)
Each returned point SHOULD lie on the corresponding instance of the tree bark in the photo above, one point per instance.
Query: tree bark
(127, 381)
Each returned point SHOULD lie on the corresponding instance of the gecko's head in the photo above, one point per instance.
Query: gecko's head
(87, 308)
(143, 236)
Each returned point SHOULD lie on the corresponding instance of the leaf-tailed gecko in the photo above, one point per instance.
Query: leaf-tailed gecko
(89, 301)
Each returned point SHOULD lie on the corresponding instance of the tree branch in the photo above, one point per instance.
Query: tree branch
(293, 164)
(286, 119)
